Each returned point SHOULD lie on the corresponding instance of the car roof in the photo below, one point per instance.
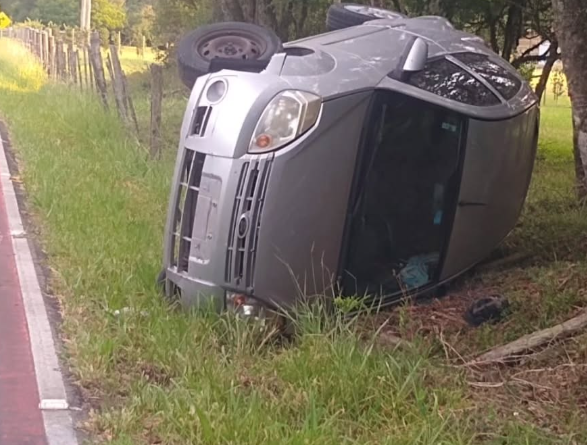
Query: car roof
(362, 57)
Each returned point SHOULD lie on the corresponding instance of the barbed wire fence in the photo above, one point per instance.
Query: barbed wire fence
(79, 59)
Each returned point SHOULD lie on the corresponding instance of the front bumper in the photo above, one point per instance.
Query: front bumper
(264, 226)
(217, 190)
(194, 292)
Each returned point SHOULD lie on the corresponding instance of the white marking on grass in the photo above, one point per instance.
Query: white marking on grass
(58, 423)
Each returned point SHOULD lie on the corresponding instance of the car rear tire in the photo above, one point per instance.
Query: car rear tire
(226, 40)
(345, 15)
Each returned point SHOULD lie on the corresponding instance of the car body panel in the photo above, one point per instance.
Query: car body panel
(272, 226)
(496, 175)
(307, 196)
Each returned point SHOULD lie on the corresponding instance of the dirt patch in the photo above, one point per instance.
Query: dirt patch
(548, 389)
(424, 318)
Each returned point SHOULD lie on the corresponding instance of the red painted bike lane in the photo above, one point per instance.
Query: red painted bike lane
(21, 420)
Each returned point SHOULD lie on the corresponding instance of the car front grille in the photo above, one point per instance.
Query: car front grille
(189, 189)
(246, 222)
(200, 122)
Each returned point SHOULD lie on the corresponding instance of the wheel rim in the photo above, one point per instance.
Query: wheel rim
(373, 12)
(231, 46)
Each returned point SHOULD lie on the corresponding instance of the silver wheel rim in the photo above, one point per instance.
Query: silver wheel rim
(373, 12)
(231, 45)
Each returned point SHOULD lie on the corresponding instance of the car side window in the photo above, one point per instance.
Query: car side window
(446, 79)
(507, 83)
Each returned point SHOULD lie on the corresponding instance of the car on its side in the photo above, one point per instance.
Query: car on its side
(385, 157)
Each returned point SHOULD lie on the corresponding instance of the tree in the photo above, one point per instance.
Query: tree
(290, 19)
(19, 10)
(174, 17)
(502, 23)
(108, 16)
(570, 19)
(59, 12)
(140, 21)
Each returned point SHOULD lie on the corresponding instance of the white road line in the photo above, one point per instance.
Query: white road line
(58, 423)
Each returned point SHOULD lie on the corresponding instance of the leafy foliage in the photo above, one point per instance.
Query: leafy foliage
(174, 17)
(140, 22)
(60, 12)
(19, 10)
(108, 14)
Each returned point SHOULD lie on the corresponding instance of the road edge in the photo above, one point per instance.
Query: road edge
(57, 419)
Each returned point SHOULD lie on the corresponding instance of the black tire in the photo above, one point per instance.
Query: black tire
(345, 15)
(227, 40)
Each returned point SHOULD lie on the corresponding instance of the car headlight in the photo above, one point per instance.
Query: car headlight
(289, 115)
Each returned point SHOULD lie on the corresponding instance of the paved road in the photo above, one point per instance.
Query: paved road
(21, 421)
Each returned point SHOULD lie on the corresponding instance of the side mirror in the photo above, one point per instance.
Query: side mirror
(413, 60)
(417, 57)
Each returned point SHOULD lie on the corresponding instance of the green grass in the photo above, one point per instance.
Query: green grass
(158, 375)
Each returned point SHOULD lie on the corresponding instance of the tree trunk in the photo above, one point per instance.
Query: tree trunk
(249, 8)
(301, 22)
(570, 19)
(267, 16)
(231, 10)
(513, 29)
(550, 61)
(493, 35)
(398, 6)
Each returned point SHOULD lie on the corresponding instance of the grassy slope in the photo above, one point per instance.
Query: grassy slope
(162, 376)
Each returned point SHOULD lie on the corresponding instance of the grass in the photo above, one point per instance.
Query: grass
(157, 375)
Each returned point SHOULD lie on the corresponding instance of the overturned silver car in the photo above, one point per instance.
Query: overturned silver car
(374, 160)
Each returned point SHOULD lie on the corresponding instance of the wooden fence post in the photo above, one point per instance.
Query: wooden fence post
(73, 64)
(156, 102)
(45, 49)
(79, 77)
(39, 45)
(119, 82)
(36, 42)
(116, 87)
(129, 103)
(96, 59)
(59, 62)
(85, 63)
(118, 42)
(92, 78)
(52, 53)
(70, 76)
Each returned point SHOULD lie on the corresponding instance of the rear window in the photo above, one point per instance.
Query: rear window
(446, 79)
(501, 79)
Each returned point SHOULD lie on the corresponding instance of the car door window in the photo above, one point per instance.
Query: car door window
(448, 80)
(505, 82)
